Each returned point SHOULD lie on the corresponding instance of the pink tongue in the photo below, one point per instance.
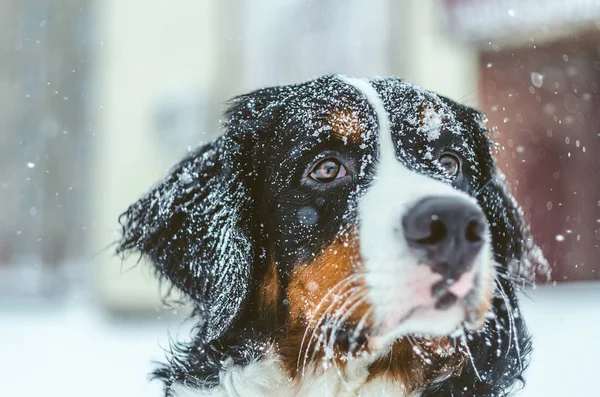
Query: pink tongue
(464, 284)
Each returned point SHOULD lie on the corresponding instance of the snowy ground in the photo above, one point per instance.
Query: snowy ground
(76, 351)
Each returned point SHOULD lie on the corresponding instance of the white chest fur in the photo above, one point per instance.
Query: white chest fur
(266, 378)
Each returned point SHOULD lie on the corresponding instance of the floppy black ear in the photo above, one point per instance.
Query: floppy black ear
(197, 226)
(513, 244)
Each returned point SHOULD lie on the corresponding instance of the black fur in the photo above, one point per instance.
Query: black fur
(212, 225)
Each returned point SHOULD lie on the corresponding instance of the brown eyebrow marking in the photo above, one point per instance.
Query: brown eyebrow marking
(426, 111)
(347, 125)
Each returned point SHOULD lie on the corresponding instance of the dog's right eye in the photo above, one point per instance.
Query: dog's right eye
(328, 170)
(450, 163)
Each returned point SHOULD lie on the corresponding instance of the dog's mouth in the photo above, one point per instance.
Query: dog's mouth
(439, 309)
(459, 311)
(353, 340)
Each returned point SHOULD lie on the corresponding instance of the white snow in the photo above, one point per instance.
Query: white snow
(76, 350)
(565, 323)
(537, 79)
(432, 124)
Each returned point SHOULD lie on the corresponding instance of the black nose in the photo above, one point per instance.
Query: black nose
(447, 232)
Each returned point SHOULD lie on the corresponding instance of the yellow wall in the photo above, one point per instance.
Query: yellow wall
(432, 56)
(147, 49)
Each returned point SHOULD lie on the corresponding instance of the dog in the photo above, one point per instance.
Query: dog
(343, 237)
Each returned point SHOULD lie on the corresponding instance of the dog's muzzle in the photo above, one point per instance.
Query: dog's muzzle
(446, 233)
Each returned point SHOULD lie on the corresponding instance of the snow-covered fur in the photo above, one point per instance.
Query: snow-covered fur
(289, 236)
(265, 377)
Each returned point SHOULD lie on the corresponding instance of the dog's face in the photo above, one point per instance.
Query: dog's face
(361, 210)
(370, 190)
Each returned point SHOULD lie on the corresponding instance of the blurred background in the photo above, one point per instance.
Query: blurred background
(99, 98)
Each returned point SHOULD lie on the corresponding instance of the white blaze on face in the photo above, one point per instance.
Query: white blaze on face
(397, 283)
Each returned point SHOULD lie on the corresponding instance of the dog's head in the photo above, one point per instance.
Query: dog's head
(366, 210)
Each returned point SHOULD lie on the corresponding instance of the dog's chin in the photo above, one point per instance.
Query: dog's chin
(424, 321)
(429, 321)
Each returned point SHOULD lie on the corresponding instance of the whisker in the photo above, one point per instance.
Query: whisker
(512, 326)
(506, 274)
(338, 286)
(459, 100)
(485, 185)
(331, 324)
(361, 325)
(343, 318)
(336, 326)
(338, 371)
(320, 325)
(468, 349)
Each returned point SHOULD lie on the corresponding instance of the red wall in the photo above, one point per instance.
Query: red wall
(550, 130)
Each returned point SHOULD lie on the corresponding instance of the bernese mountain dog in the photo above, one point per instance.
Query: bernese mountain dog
(342, 237)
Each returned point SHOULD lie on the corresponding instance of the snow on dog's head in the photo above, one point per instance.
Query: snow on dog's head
(337, 217)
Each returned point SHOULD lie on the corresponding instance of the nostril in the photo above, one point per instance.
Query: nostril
(437, 232)
(474, 232)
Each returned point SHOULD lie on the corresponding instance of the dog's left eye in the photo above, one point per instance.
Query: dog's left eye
(450, 163)
(328, 170)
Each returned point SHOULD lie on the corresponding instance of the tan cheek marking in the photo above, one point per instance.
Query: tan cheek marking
(418, 361)
(347, 125)
(311, 289)
(331, 281)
